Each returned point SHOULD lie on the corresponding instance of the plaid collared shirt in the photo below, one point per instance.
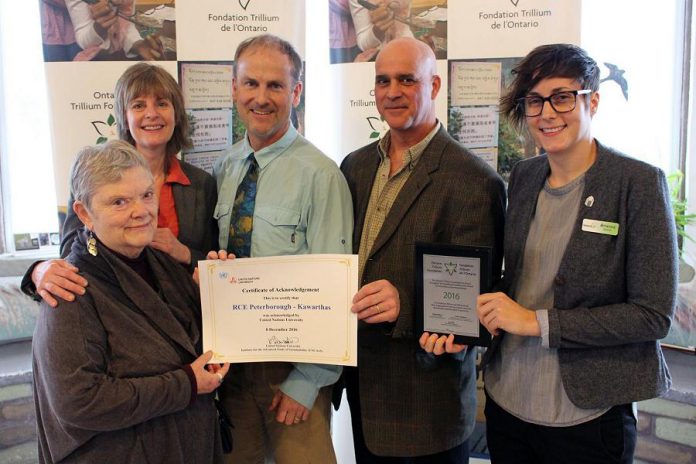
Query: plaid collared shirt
(385, 189)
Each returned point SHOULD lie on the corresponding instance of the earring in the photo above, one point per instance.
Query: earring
(92, 244)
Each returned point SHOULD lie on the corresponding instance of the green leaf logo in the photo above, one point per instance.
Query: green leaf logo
(106, 130)
(378, 126)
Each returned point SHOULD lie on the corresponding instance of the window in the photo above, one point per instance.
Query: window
(28, 194)
(645, 122)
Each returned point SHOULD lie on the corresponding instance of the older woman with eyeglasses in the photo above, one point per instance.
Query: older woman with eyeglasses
(118, 372)
(590, 280)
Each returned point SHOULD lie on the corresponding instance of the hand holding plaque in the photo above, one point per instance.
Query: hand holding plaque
(498, 312)
(449, 279)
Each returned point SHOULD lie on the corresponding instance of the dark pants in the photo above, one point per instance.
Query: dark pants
(609, 438)
(457, 455)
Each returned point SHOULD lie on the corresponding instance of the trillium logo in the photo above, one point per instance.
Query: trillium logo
(451, 268)
(105, 129)
(378, 126)
(244, 4)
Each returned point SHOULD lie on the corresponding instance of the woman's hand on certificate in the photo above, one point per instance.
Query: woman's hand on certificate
(377, 302)
(222, 255)
(208, 378)
(497, 312)
(440, 344)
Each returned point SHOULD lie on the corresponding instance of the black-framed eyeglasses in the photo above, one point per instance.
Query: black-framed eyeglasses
(561, 102)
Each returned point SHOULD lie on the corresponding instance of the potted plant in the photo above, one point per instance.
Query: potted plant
(682, 219)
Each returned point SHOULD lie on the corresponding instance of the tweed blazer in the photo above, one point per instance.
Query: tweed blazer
(614, 296)
(195, 205)
(413, 403)
(109, 383)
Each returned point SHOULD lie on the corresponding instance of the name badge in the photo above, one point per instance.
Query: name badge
(600, 227)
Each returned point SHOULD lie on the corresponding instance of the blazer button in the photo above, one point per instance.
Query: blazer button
(559, 280)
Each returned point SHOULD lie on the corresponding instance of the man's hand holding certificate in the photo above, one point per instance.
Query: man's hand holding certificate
(282, 308)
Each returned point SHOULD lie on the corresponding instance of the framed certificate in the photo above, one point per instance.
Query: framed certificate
(449, 278)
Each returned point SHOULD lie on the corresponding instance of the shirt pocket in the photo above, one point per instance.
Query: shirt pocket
(222, 214)
(280, 229)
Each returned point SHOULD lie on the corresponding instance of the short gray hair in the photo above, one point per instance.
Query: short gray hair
(99, 165)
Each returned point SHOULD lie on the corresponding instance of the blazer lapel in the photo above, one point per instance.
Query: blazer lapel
(409, 193)
(364, 179)
(184, 203)
(416, 183)
(533, 185)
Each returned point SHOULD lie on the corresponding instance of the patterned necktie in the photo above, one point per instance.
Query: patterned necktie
(242, 220)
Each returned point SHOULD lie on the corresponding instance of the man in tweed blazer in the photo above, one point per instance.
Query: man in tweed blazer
(416, 184)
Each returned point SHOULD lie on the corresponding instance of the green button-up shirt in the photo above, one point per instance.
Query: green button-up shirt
(303, 205)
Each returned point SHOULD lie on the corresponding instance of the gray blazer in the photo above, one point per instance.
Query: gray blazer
(614, 296)
(194, 205)
(414, 404)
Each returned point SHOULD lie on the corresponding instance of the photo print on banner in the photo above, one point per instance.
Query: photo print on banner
(358, 28)
(108, 30)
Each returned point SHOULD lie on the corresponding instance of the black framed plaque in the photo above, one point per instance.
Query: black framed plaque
(449, 278)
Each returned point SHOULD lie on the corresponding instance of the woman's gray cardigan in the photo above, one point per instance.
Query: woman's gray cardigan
(108, 380)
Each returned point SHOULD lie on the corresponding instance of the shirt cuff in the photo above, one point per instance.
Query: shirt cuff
(305, 380)
(27, 286)
(542, 316)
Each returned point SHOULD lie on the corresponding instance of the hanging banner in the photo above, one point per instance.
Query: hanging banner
(213, 28)
(505, 28)
(194, 40)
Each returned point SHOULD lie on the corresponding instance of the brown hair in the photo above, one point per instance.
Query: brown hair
(146, 79)
(545, 61)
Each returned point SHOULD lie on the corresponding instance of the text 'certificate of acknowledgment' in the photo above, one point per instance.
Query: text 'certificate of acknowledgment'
(280, 308)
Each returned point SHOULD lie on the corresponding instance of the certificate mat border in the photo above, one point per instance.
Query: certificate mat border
(345, 359)
(484, 254)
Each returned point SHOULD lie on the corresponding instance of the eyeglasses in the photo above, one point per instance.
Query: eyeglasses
(561, 102)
